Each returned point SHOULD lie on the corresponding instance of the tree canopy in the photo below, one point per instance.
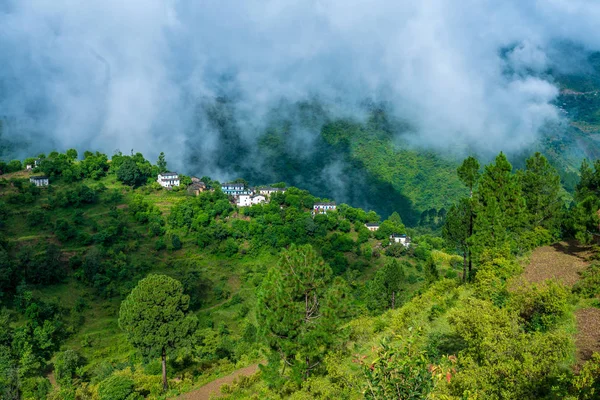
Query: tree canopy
(154, 316)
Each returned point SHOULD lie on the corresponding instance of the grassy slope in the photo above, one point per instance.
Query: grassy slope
(96, 332)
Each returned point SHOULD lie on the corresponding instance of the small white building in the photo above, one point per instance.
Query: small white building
(372, 227)
(258, 199)
(402, 239)
(244, 200)
(168, 179)
(39, 180)
(320, 208)
(268, 191)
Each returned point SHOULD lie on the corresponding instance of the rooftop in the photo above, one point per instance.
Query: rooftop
(38, 177)
(229, 184)
(332, 203)
(371, 224)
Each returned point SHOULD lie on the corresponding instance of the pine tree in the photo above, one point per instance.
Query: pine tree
(456, 230)
(161, 163)
(300, 306)
(154, 316)
(541, 189)
(431, 270)
(501, 213)
(384, 289)
(469, 174)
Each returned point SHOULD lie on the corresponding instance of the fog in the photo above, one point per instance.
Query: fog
(140, 74)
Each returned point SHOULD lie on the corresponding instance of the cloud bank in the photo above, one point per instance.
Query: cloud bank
(134, 74)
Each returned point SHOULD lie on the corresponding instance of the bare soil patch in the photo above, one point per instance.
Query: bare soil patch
(561, 261)
(587, 339)
(213, 388)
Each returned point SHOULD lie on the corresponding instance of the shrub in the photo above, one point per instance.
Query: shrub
(176, 242)
(395, 250)
(540, 306)
(589, 284)
(66, 365)
(115, 388)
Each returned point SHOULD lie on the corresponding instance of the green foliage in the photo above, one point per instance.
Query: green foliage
(498, 360)
(589, 284)
(66, 365)
(431, 271)
(468, 173)
(161, 163)
(116, 388)
(540, 307)
(384, 290)
(94, 165)
(154, 317)
(457, 229)
(301, 308)
(586, 384)
(541, 189)
(72, 154)
(398, 372)
(175, 242)
(392, 225)
(132, 171)
(395, 250)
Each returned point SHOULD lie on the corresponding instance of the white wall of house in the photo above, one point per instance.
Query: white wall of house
(244, 200)
(39, 182)
(320, 208)
(270, 191)
(403, 240)
(258, 199)
(168, 180)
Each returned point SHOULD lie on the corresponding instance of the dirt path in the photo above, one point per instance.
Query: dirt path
(212, 388)
(562, 261)
(587, 339)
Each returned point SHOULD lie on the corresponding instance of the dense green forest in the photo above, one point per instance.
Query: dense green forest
(113, 287)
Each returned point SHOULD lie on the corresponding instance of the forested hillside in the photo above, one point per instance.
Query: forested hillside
(113, 287)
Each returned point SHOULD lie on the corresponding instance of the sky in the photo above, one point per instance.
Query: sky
(119, 75)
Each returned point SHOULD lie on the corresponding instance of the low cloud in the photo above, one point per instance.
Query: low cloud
(141, 73)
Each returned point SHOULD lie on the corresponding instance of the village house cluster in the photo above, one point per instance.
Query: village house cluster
(247, 196)
(242, 196)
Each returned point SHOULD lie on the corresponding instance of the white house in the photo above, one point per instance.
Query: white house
(320, 208)
(235, 189)
(39, 180)
(372, 227)
(168, 179)
(244, 200)
(402, 239)
(268, 191)
(258, 198)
